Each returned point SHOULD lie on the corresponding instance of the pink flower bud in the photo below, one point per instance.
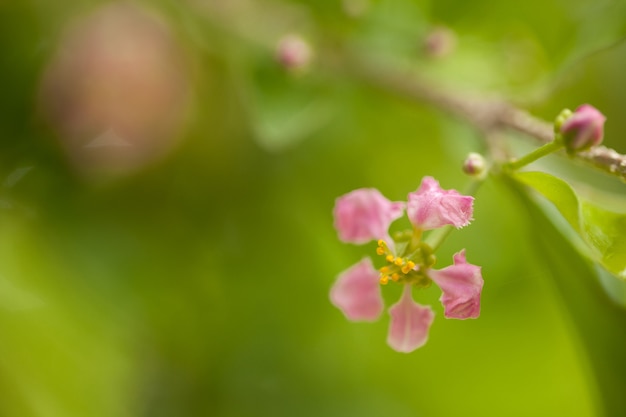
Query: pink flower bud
(583, 129)
(474, 165)
(293, 52)
(364, 215)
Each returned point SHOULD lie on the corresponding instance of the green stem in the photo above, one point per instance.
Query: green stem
(540, 152)
(414, 243)
(437, 238)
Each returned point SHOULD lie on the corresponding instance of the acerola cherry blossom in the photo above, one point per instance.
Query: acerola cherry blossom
(364, 215)
(431, 207)
(583, 129)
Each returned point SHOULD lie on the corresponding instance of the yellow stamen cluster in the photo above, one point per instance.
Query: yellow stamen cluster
(407, 267)
(397, 264)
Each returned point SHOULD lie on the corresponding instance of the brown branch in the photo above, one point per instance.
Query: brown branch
(607, 160)
(488, 115)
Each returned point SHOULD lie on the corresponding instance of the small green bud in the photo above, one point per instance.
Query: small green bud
(474, 165)
(560, 119)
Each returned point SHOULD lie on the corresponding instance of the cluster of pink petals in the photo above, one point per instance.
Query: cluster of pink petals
(365, 215)
(584, 128)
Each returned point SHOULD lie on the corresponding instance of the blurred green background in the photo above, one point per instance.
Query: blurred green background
(166, 238)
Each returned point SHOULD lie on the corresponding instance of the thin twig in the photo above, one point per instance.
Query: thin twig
(488, 115)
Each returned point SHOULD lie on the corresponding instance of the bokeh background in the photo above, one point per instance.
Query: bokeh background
(166, 238)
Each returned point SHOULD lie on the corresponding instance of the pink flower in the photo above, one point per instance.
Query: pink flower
(461, 285)
(431, 207)
(364, 215)
(410, 323)
(357, 292)
(583, 129)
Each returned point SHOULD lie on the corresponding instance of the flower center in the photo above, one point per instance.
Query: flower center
(409, 269)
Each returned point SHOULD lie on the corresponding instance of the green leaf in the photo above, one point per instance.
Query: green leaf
(284, 108)
(606, 231)
(602, 230)
(600, 324)
(598, 26)
(558, 192)
(281, 122)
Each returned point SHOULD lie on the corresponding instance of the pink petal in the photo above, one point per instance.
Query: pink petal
(431, 207)
(461, 284)
(364, 215)
(584, 128)
(357, 292)
(409, 325)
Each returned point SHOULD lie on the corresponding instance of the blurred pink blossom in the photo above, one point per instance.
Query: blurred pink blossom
(293, 52)
(117, 89)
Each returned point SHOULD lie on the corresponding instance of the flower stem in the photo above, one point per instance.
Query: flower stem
(540, 152)
(436, 238)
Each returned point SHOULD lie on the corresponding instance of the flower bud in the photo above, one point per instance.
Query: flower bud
(439, 42)
(293, 52)
(583, 129)
(474, 165)
(560, 119)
